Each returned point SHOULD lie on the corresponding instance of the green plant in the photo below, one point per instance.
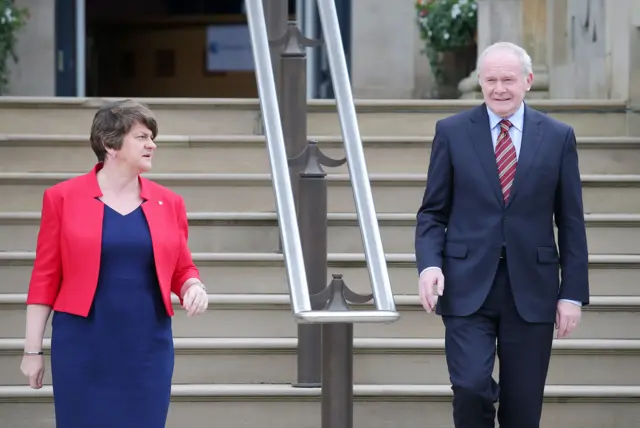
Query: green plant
(12, 19)
(446, 25)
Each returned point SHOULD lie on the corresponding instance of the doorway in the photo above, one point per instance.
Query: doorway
(163, 48)
(157, 48)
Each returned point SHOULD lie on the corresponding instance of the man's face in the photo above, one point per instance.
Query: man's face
(503, 82)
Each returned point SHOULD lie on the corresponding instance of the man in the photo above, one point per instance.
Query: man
(498, 175)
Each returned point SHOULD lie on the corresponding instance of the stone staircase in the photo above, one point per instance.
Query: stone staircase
(235, 363)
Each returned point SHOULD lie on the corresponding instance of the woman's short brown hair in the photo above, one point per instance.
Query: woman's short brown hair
(114, 120)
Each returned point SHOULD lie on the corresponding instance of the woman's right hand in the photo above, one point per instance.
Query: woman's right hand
(33, 368)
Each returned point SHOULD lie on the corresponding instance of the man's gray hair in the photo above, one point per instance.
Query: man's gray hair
(519, 52)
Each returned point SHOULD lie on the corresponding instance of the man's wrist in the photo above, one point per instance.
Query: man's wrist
(429, 268)
(575, 302)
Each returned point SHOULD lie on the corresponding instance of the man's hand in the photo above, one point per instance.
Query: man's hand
(430, 286)
(568, 317)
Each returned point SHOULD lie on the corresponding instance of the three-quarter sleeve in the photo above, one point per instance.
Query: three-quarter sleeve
(185, 268)
(46, 275)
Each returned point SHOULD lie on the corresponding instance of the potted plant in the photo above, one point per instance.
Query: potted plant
(449, 30)
(12, 19)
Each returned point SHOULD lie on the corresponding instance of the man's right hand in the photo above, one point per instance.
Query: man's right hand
(430, 285)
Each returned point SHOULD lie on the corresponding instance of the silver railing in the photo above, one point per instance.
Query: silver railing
(324, 315)
(385, 310)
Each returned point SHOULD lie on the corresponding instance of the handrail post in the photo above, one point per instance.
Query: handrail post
(337, 355)
(293, 96)
(312, 220)
(293, 101)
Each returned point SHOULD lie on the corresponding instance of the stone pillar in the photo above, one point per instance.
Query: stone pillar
(35, 73)
(523, 22)
(594, 49)
(634, 70)
(386, 58)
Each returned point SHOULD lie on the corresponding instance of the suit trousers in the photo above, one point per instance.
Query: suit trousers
(523, 350)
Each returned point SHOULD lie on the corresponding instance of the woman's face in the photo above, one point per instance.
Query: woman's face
(137, 149)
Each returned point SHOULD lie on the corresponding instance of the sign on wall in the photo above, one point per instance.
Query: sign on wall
(229, 48)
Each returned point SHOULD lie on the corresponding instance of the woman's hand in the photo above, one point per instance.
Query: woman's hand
(195, 300)
(33, 368)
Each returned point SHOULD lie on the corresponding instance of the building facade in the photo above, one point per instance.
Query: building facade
(164, 48)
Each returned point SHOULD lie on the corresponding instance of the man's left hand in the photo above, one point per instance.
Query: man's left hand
(568, 317)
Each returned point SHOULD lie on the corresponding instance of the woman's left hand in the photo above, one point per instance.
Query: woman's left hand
(195, 300)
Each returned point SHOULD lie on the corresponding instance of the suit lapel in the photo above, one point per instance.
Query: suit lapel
(531, 139)
(480, 135)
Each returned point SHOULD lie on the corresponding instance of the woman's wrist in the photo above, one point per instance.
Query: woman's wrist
(199, 284)
(188, 283)
(32, 346)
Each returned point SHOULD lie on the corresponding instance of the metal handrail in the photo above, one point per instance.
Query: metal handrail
(285, 207)
(372, 242)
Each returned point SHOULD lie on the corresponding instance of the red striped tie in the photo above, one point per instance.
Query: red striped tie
(506, 159)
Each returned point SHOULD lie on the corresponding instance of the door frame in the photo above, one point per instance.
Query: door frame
(70, 48)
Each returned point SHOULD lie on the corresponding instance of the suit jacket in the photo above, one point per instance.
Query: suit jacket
(463, 225)
(67, 263)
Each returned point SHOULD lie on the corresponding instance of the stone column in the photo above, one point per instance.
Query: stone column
(523, 22)
(594, 50)
(386, 58)
(634, 70)
(35, 73)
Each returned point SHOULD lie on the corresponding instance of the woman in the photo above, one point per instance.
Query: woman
(112, 246)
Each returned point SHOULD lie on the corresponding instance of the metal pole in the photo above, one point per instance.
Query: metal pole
(337, 356)
(293, 101)
(337, 375)
(312, 220)
(293, 97)
(310, 31)
(81, 67)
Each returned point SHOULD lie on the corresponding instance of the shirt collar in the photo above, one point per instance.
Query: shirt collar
(516, 119)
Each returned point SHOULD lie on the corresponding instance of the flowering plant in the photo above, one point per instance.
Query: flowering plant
(446, 25)
(12, 19)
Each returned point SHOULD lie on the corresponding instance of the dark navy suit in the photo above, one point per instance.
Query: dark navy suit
(500, 261)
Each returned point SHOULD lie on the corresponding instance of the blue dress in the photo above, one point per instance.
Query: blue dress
(114, 368)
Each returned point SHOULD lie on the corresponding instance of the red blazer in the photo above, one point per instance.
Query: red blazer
(65, 272)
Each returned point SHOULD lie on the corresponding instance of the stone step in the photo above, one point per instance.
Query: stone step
(397, 193)
(264, 273)
(248, 153)
(259, 232)
(269, 315)
(202, 116)
(376, 361)
(376, 406)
